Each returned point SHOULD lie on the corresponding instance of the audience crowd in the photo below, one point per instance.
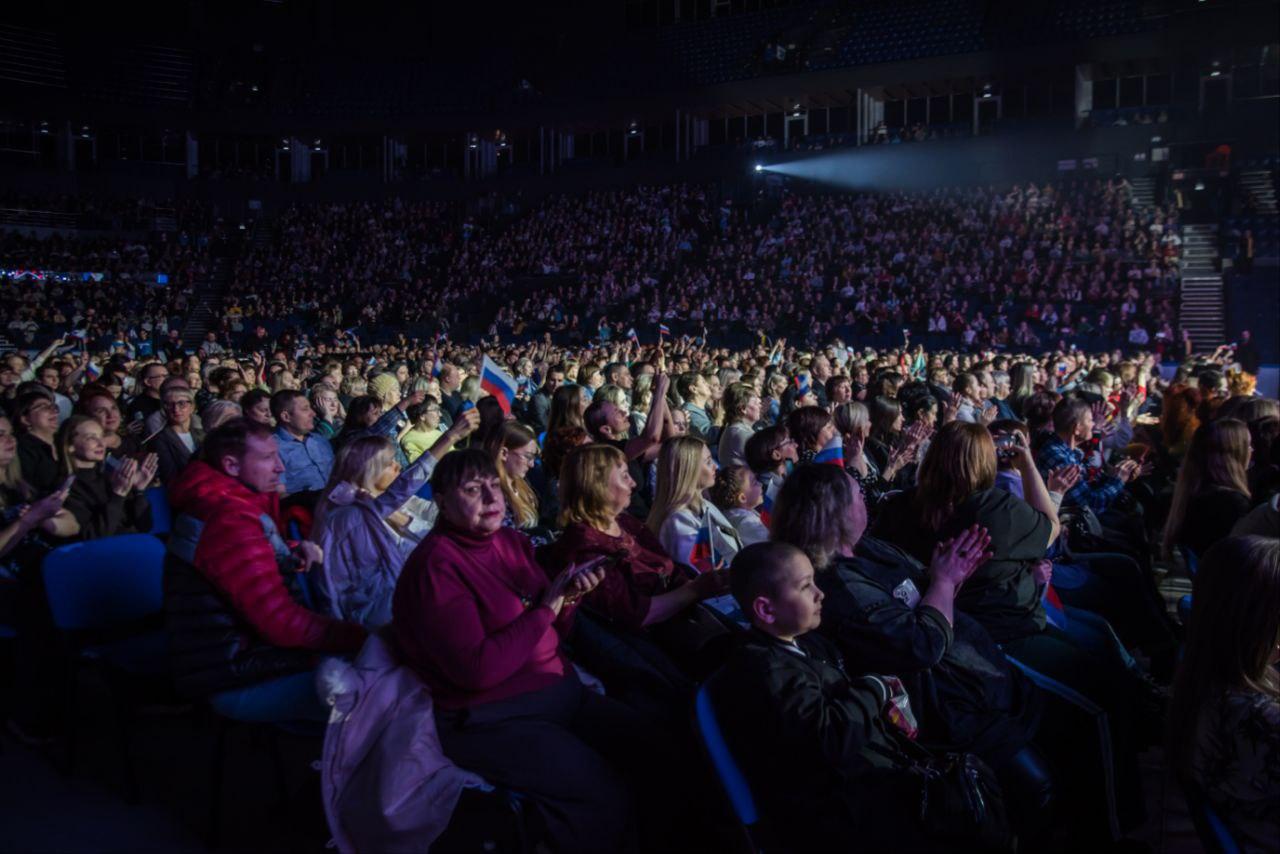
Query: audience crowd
(903, 580)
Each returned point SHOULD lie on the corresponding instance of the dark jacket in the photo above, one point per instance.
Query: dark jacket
(822, 764)
(1002, 594)
(1211, 514)
(965, 694)
(539, 411)
(103, 513)
(172, 455)
(39, 464)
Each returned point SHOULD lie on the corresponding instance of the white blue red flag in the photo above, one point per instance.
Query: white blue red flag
(499, 384)
(832, 453)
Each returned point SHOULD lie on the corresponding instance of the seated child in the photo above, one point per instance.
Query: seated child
(828, 769)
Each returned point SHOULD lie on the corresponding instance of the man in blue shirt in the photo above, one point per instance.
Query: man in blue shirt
(1072, 427)
(306, 454)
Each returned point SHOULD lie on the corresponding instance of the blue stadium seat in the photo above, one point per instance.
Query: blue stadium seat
(732, 781)
(1213, 832)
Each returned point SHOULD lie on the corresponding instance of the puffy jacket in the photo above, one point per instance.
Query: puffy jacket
(233, 607)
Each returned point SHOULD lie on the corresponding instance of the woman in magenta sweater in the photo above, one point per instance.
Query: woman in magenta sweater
(480, 622)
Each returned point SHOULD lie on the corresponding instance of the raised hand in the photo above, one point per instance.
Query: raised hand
(146, 472)
(955, 560)
(123, 477)
(1063, 478)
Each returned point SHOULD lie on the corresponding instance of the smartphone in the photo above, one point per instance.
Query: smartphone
(608, 563)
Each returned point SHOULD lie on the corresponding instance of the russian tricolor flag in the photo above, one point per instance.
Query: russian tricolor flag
(631, 333)
(832, 453)
(663, 330)
(499, 384)
(701, 556)
(92, 371)
(1053, 610)
(770, 496)
(802, 386)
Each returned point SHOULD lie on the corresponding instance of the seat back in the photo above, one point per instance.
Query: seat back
(1212, 830)
(731, 777)
(106, 582)
(1193, 562)
(161, 514)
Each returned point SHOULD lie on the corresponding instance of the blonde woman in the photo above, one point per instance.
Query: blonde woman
(1212, 490)
(514, 449)
(641, 587)
(691, 529)
(370, 518)
(102, 501)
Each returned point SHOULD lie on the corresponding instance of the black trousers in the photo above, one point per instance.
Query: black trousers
(578, 756)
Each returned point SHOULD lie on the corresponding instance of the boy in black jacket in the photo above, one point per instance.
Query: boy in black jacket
(823, 764)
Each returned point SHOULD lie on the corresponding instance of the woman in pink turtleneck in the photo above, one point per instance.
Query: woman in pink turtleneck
(478, 620)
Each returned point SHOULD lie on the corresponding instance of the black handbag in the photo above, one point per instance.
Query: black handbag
(961, 802)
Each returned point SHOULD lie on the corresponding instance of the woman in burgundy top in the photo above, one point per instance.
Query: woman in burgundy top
(481, 624)
(640, 589)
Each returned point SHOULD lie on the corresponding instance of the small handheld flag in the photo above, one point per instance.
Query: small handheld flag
(832, 453)
(437, 368)
(702, 556)
(1054, 612)
(92, 371)
(770, 496)
(499, 384)
(802, 386)
(663, 330)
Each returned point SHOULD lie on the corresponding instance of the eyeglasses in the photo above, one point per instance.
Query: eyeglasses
(178, 404)
(527, 456)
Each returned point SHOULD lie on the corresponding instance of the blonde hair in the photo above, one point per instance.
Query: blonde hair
(360, 461)
(521, 498)
(66, 438)
(852, 418)
(679, 462)
(584, 485)
(386, 388)
(1218, 456)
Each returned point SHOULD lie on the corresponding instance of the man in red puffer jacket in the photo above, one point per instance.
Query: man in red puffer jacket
(242, 635)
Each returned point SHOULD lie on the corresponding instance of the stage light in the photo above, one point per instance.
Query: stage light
(759, 167)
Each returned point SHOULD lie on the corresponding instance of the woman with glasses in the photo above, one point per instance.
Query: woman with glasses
(179, 438)
(37, 417)
(423, 429)
(514, 450)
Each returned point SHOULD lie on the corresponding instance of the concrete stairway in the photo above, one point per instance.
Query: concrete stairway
(1203, 313)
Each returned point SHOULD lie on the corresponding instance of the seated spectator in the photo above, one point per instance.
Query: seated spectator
(231, 568)
(813, 428)
(179, 438)
(146, 401)
(771, 453)
(641, 588)
(886, 430)
(1073, 426)
(1262, 521)
(854, 425)
(690, 528)
(368, 521)
(481, 623)
(514, 450)
(555, 449)
(37, 418)
(99, 404)
(102, 501)
(1212, 490)
(328, 409)
(423, 430)
(696, 394)
(256, 406)
(738, 494)
(305, 452)
(742, 412)
(21, 515)
(219, 412)
(568, 405)
(1224, 719)
(824, 762)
